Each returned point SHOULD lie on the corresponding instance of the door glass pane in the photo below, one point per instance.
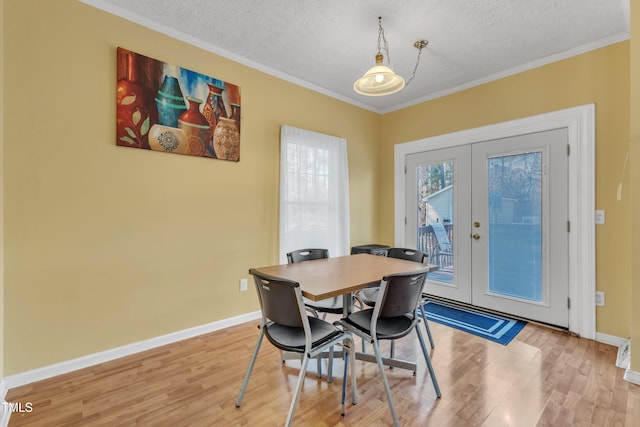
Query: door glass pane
(515, 229)
(435, 217)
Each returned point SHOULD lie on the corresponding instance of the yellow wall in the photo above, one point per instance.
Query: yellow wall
(105, 245)
(108, 245)
(634, 183)
(600, 77)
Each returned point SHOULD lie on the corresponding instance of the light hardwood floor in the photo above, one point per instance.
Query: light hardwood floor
(542, 378)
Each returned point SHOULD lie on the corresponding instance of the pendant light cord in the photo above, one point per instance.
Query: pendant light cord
(415, 68)
(383, 45)
(382, 41)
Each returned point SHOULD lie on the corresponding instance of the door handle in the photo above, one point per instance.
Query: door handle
(476, 236)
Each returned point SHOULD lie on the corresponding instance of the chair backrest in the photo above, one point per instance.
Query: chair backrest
(441, 236)
(408, 254)
(401, 293)
(280, 299)
(302, 255)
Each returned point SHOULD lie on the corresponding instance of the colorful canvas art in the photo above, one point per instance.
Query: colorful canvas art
(163, 107)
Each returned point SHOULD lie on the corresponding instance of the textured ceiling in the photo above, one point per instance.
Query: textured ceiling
(326, 45)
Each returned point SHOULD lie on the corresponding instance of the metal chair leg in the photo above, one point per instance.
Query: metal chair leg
(344, 381)
(349, 353)
(296, 396)
(250, 368)
(354, 386)
(387, 389)
(426, 325)
(427, 358)
(319, 360)
(330, 365)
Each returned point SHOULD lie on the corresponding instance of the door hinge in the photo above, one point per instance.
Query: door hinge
(405, 220)
(405, 169)
(568, 226)
(568, 302)
(568, 150)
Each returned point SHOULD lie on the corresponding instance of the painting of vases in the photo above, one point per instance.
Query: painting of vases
(167, 108)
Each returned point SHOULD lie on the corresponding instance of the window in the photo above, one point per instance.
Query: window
(314, 192)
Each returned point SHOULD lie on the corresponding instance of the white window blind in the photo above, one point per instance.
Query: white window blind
(314, 192)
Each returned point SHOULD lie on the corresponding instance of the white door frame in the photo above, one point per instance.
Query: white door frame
(580, 123)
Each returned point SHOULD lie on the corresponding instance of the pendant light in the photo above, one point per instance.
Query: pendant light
(380, 80)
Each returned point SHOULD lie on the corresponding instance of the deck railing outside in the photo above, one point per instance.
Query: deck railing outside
(427, 243)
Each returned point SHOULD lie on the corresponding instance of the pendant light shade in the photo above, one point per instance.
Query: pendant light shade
(379, 80)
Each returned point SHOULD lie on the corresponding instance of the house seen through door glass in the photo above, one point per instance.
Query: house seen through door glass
(435, 217)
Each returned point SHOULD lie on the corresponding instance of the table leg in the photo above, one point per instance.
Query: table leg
(347, 304)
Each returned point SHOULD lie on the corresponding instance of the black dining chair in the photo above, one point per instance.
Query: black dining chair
(368, 296)
(287, 326)
(332, 305)
(393, 316)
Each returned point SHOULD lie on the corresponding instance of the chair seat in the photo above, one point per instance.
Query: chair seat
(289, 338)
(387, 328)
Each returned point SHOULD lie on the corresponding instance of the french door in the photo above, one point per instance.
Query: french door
(493, 217)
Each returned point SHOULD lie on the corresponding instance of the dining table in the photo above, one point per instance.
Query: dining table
(343, 275)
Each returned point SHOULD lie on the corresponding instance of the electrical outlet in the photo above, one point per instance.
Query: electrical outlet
(600, 217)
(600, 299)
(243, 285)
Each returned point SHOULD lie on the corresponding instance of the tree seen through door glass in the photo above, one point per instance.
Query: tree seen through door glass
(515, 229)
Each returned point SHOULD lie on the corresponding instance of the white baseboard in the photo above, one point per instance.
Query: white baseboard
(610, 339)
(624, 348)
(624, 355)
(629, 375)
(50, 371)
(4, 415)
(632, 376)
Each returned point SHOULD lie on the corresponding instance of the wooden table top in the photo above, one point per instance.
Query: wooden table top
(329, 277)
